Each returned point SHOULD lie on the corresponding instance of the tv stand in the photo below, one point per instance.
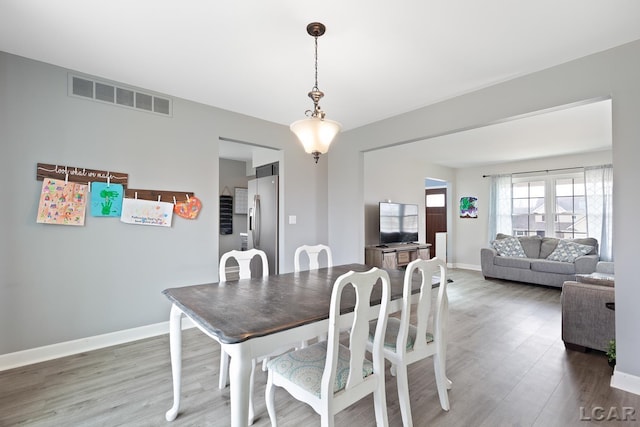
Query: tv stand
(394, 256)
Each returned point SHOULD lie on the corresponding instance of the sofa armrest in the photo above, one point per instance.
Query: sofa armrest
(586, 321)
(488, 253)
(604, 267)
(586, 264)
(486, 260)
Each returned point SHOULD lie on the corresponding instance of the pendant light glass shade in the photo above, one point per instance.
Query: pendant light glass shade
(315, 134)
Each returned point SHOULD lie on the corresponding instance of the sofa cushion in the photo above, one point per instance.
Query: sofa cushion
(588, 241)
(531, 245)
(513, 262)
(509, 246)
(547, 246)
(567, 251)
(557, 267)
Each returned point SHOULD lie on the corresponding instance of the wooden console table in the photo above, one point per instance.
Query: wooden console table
(395, 256)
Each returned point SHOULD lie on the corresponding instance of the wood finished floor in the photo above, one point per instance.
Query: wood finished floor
(505, 358)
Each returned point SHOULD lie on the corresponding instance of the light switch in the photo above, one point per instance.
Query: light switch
(292, 219)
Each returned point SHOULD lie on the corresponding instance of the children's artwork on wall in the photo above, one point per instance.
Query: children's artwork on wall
(62, 202)
(106, 199)
(468, 207)
(146, 212)
(189, 209)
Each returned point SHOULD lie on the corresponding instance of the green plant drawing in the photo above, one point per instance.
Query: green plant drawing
(107, 195)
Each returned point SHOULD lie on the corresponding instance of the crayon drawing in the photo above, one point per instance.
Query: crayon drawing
(146, 212)
(62, 202)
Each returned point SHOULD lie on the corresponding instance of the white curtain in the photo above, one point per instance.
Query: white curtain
(598, 182)
(500, 206)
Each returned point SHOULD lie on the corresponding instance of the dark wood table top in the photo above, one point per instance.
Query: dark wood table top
(235, 311)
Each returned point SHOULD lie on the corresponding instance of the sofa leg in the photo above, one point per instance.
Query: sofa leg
(575, 347)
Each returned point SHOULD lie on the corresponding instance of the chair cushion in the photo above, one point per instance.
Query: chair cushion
(509, 246)
(305, 367)
(391, 337)
(567, 251)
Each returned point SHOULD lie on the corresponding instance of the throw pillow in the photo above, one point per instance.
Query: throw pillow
(509, 246)
(568, 251)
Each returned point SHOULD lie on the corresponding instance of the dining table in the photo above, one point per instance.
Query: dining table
(253, 318)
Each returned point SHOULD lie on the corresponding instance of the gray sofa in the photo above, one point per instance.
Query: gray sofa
(535, 268)
(587, 322)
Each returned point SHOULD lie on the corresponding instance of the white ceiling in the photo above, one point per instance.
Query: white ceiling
(377, 59)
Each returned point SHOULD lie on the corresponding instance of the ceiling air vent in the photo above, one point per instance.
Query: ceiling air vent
(104, 92)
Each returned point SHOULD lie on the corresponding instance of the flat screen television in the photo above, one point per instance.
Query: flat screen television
(398, 223)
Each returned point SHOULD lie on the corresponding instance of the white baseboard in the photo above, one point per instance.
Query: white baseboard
(466, 267)
(68, 348)
(626, 382)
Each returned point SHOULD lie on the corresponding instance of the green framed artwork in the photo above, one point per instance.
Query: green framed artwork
(468, 207)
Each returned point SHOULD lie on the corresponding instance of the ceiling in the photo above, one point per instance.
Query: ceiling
(377, 59)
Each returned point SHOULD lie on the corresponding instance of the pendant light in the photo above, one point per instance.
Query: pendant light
(315, 132)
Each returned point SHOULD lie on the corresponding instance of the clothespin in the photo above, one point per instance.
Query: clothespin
(136, 195)
(174, 201)
(159, 197)
(66, 174)
(187, 197)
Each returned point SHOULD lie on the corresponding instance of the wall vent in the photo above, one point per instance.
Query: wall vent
(88, 88)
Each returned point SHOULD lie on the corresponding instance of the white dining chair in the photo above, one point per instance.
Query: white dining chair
(406, 343)
(330, 376)
(312, 252)
(243, 258)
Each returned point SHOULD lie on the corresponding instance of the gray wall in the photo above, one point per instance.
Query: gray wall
(60, 283)
(613, 73)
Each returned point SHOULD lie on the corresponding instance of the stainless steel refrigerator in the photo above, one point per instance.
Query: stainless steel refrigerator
(262, 197)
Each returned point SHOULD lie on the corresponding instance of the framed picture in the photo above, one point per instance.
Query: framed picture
(468, 207)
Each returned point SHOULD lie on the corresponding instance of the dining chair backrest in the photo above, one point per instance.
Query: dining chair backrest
(406, 342)
(243, 258)
(313, 252)
(428, 269)
(363, 283)
(330, 376)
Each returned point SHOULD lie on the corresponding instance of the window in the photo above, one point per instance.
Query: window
(528, 208)
(549, 206)
(435, 201)
(570, 214)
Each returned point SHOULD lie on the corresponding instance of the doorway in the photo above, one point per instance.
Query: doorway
(435, 211)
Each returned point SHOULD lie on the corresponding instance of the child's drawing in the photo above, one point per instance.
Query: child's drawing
(62, 202)
(146, 212)
(106, 199)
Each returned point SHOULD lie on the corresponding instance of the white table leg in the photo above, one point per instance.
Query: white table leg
(175, 343)
(240, 368)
